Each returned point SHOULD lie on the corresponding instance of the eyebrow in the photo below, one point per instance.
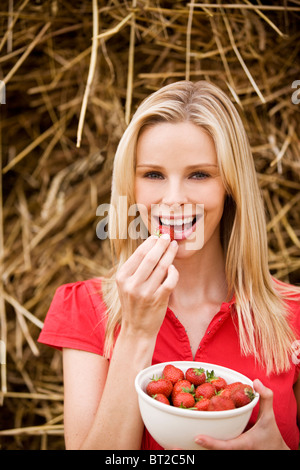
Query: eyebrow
(189, 167)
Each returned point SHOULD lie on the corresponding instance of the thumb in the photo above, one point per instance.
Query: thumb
(265, 397)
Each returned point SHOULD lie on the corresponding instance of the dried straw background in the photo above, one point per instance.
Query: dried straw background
(74, 73)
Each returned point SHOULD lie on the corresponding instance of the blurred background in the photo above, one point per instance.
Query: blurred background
(74, 73)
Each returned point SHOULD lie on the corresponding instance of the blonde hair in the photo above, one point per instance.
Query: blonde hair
(260, 309)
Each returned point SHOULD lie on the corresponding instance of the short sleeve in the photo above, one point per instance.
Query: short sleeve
(76, 318)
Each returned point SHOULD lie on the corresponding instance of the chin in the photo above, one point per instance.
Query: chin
(186, 250)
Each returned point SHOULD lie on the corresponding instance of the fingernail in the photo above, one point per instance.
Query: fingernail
(257, 383)
(199, 441)
(165, 236)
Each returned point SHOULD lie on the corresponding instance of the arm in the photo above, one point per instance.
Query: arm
(84, 379)
(101, 408)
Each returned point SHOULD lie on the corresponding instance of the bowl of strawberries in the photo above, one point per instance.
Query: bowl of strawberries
(183, 399)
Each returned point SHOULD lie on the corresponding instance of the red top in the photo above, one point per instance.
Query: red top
(75, 320)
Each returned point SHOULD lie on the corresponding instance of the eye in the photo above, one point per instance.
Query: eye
(199, 175)
(153, 175)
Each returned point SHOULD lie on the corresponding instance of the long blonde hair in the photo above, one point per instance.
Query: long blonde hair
(261, 313)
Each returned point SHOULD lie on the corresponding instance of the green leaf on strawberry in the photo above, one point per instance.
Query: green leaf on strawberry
(189, 390)
(210, 375)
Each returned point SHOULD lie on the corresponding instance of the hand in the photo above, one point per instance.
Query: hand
(145, 282)
(264, 435)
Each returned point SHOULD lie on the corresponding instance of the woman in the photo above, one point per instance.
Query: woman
(185, 162)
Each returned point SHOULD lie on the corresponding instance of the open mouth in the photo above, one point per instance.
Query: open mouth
(181, 228)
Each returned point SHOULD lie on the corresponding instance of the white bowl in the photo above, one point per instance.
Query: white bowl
(173, 427)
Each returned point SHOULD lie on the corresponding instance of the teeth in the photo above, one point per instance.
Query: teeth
(186, 220)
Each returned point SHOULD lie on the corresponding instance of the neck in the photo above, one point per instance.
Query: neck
(201, 277)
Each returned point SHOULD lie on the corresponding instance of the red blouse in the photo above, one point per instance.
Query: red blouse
(76, 319)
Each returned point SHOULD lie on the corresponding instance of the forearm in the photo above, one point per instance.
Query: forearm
(145, 282)
(117, 423)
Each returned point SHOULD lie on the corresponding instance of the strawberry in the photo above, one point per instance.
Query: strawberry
(182, 386)
(206, 390)
(233, 386)
(183, 400)
(202, 404)
(218, 382)
(242, 396)
(169, 229)
(225, 392)
(220, 403)
(159, 385)
(195, 376)
(161, 398)
(172, 373)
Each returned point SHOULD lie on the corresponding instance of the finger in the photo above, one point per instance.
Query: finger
(169, 283)
(152, 258)
(160, 272)
(210, 443)
(133, 262)
(239, 443)
(265, 397)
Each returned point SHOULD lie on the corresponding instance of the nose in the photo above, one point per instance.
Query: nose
(175, 194)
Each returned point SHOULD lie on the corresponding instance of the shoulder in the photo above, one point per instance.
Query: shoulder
(75, 297)
(80, 286)
(76, 317)
(80, 301)
(87, 291)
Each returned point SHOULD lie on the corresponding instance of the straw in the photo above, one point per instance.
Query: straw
(74, 74)
(91, 72)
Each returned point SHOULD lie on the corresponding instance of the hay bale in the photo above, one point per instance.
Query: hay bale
(74, 74)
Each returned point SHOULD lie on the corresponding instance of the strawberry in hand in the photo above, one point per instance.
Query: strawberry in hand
(165, 229)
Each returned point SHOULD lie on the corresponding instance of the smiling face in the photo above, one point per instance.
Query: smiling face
(177, 175)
